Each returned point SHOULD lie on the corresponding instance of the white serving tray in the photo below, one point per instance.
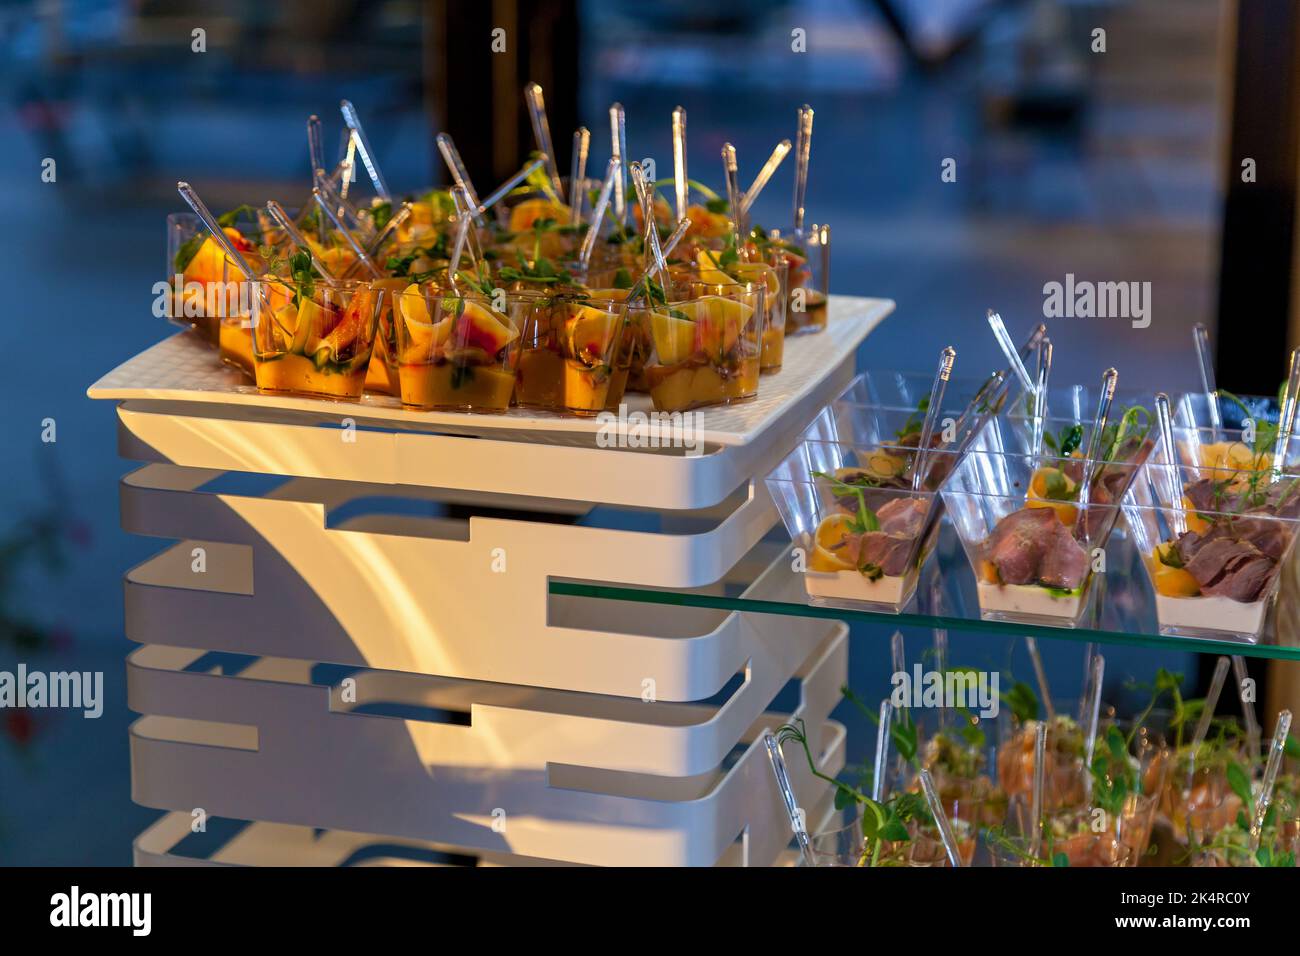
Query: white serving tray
(183, 368)
(178, 404)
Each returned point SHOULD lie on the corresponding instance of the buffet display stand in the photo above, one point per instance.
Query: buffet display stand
(357, 639)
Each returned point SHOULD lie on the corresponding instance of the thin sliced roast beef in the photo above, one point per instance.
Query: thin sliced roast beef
(1031, 546)
(889, 552)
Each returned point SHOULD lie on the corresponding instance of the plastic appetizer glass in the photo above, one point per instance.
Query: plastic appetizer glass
(210, 285)
(864, 533)
(381, 374)
(809, 266)
(570, 348)
(1213, 540)
(712, 265)
(1031, 544)
(705, 344)
(313, 339)
(894, 432)
(456, 351)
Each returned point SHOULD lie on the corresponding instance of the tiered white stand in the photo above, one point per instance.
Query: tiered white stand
(352, 644)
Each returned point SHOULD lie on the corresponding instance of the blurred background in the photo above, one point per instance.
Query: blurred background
(1118, 163)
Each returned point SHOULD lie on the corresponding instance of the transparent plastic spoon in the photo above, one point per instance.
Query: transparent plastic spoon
(504, 189)
(1207, 714)
(315, 142)
(678, 234)
(764, 175)
(618, 150)
(1089, 651)
(1201, 339)
(298, 239)
(729, 170)
(1040, 675)
(355, 246)
(1040, 393)
(344, 210)
(788, 798)
(1109, 379)
(882, 750)
(1240, 675)
(462, 233)
(578, 174)
(1012, 353)
(383, 236)
(192, 199)
(1177, 517)
(932, 411)
(1286, 420)
(1040, 777)
(646, 197)
(456, 165)
(1098, 672)
(363, 147)
(613, 173)
(1276, 749)
(802, 153)
(946, 835)
(542, 134)
(681, 186)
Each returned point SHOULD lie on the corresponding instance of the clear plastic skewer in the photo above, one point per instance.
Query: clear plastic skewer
(542, 134)
(578, 174)
(298, 239)
(788, 798)
(363, 146)
(613, 173)
(1207, 715)
(681, 188)
(1276, 749)
(201, 210)
(802, 154)
(1177, 517)
(764, 175)
(459, 174)
(618, 150)
(1201, 339)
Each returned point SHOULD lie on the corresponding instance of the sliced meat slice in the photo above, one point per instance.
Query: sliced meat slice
(1065, 563)
(889, 552)
(1019, 541)
(1244, 578)
(1212, 559)
(902, 516)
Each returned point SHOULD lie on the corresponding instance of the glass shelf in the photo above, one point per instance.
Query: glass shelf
(1122, 609)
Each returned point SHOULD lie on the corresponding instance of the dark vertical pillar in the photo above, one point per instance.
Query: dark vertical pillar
(1258, 242)
(476, 95)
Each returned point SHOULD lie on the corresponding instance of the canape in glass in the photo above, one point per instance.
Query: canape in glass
(208, 281)
(723, 266)
(1032, 546)
(1213, 539)
(570, 347)
(863, 532)
(706, 344)
(809, 263)
(457, 351)
(313, 338)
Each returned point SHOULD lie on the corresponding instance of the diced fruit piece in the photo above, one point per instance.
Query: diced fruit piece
(208, 264)
(353, 325)
(1047, 489)
(591, 334)
(988, 572)
(481, 328)
(758, 272)
(1170, 581)
(708, 225)
(674, 338)
(1194, 521)
(719, 322)
(524, 215)
(828, 541)
(307, 332)
(709, 263)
